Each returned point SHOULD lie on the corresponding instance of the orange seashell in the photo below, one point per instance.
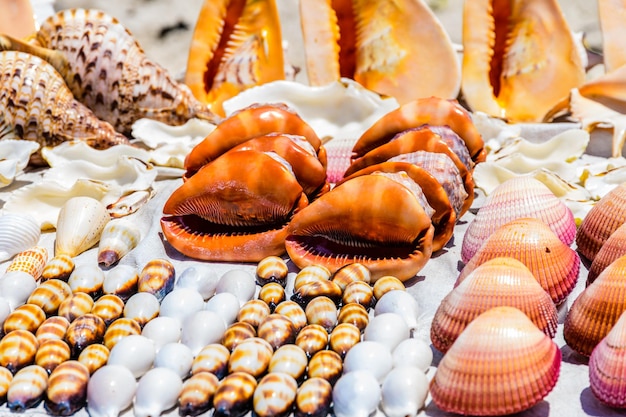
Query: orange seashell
(613, 248)
(603, 219)
(32, 261)
(519, 58)
(228, 212)
(236, 45)
(497, 282)
(596, 309)
(500, 364)
(398, 49)
(393, 232)
(554, 264)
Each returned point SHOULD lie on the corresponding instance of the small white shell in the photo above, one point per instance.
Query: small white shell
(157, 391)
(181, 303)
(18, 232)
(119, 237)
(356, 394)
(239, 282)
(388, 329)
(135, 352)
(175, 356)
(162, 330)
(412, 352)
(110, 390)
(373, 357)
(202, 279)
(226, 305)
(401, 303)
(202, 328)
(79, 225)
(142, 307)
(404, 392)
(16, 287)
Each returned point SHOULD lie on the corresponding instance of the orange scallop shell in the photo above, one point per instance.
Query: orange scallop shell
(613, 248)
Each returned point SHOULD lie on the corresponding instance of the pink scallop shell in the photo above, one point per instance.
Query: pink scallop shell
(613, 248)
(517, 197)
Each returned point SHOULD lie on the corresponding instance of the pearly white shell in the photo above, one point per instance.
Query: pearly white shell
(226, 305)
(401, 303)
(135, 352)
(163, 330)
(175, 356)
(202, 279)
(157, 391)
(110, 390)
(79, 225)
(18, 232)
(119, 237)
(181, 303)
(238, 282)
(404, 392)
(202, 328)
(412, 352)
(373, 357)
(356, 394)
(143, 307)
(16, 287)
(14, 157)
(388, 329)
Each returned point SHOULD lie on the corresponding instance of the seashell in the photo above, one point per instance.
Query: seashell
(79, 225)
(109, 307)
(359, 292)
(271, 269)
(157, 277)
(18, 349)
(349, 273)
(59, 267)
(412, 352)
(611, 250)
(497, 282)
(554, 264)
(181, 303)
(504, 346)
(312, 339)
(325, 364)
(356, 393)
(53, 327)
(202, 328)
(326, 288)
(119, 237)
(203, 280)
(25, 317)
(253, 312)
(49, 295)
(310, 274)
(606, 374)
(313, 398)
(251, 356)
(196, 397)
(236, 333)
(32, 261)
(162, 330)
(516, 198)
(135, 352)
(213, 358)
(87, 278)
(226, 305)
(51, 353)
(369, 355)
(272, 294)
(401, 303)
(110, 390)
(18, 232)
(594, 312)
(386, 284)
(16, 155)
(355, 314)
(274, 395)
(293, 312)
(278, 330)
(121, 281)
(142, 307)
(238, 282)
(94, 357)
(67, 389)
(119, 329)
(75, 305)
(343, 337)
(323, 311)
(27, 388)
(16, 287)
(84, 331)
(157, 391)
(404, 392)
(5, 380)
(602, 220)
(507, 92)
(234, 393)
(289, 359)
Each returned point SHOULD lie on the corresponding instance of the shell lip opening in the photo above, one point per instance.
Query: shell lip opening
(198, 226)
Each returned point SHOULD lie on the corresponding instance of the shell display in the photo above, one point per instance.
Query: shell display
(79, 226)
(119, 237)
(501, 364)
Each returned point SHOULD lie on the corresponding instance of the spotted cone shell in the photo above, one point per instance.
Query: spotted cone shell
(518, 197)
(501, 364)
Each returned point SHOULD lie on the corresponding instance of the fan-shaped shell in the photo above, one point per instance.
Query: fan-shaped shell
(497, 282)
(554, 264)
(18, 232)
(612, 249)
(518, 197)
(500, 364)
(597, 309)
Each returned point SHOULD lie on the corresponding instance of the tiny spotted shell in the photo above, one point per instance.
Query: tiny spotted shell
(32, 261)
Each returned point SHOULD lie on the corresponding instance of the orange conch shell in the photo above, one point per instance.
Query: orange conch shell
(396, 48)
(236, 44)
(519, 58)
(612, 14)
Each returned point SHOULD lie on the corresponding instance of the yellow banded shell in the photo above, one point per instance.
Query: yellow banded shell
(311, 273)
(5, 380)
(386, 284)
(312, 339)
(197, 394)
(343, 337)
(157, 277)
(60, 267)
(212, 358)
(278, 330)
(94, 357)
(51, 354)
(355, 314)
(84, 331)
(26, 317)
(76, 305)
(289, 359)
(119, 237)
(109, 307)
(323, 311)
(358, 292)
(251, 356)
(314, 398)
(253, 312)
(293, 312)
(50, 294)
(67, 388)
(274, 395)
(326, 364)
(233, 396)
(236, 333)
(350, 273)
(272, 294)
(119, 329)
(52, 328)
(309, 291)
(272, 269)
(27, 388)
(18, 349)
(121, 281)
